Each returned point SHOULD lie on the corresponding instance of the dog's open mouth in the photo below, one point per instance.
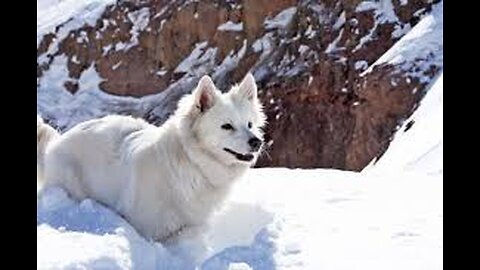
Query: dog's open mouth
(246, 157)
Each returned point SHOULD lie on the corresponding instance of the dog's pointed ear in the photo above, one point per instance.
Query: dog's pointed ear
(205, 94)
(247, 88)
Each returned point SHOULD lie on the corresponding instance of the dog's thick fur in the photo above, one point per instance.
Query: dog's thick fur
(166, 180)
(45, 134)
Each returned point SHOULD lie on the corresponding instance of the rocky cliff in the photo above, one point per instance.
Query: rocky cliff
(337, 78)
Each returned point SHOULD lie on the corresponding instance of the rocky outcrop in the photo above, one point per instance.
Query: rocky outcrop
(310, 59)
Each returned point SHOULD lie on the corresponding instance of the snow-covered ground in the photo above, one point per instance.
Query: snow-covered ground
(275, 219)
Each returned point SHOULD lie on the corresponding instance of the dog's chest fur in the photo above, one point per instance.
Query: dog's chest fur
(167, 190)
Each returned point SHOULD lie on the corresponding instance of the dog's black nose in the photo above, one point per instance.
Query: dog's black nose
(255, 143)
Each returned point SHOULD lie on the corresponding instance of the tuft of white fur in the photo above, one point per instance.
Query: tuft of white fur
(45, 134)
(167, 180)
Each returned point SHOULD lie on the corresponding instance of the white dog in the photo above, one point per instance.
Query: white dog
(166, 181)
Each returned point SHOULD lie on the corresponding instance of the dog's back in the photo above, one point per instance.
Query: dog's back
(90, 151)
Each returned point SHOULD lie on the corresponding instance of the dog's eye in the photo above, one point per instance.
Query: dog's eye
(249, 124)
(227, 126)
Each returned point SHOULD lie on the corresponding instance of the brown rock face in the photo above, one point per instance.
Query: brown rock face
(307, 57)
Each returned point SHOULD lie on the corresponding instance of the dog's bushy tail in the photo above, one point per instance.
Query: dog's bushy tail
(45, 134)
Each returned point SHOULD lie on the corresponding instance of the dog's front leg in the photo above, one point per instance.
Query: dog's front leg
(189, 242)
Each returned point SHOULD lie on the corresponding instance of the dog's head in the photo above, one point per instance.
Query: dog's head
(227, 125)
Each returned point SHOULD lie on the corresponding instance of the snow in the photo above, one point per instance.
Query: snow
(83, 38)
(117, 65)
(161, 12)
(162, 23)
(275, 219)
(161, 72)
(310, 33)
(302, 49)
(263, 44)
(74, 59)
(105, 240)
(53, 100)
(389, 216)
(361, 65)
(420, 147)
(139, 20)
(71, 14)
(287, 68)
(67, 110)
(122, 46)
(52, 83)
(384, 12)
(332, 47)
(401, 30)
(281, 20)
(230, 62)
(421, 47)
(419, 12)
(322, 13)
(105, 25)
(89, 79)
(365, 6)
(106, 49)
(239, 266)
(340, 21)
(230, 26)
(199, 61)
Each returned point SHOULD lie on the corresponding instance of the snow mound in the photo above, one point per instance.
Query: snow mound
(87, 235)
(418, 145)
